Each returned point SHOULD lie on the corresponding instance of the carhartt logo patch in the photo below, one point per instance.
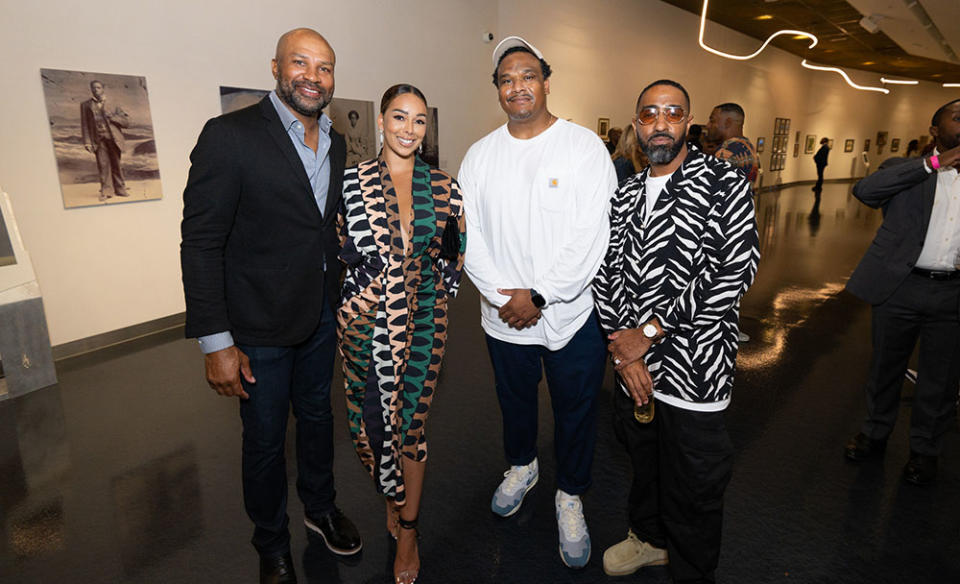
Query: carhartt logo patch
(554, 183)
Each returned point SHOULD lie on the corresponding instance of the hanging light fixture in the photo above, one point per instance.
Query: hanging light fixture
(845, 77)
(796, 33)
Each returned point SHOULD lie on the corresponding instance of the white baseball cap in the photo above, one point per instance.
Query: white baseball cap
(511, 42)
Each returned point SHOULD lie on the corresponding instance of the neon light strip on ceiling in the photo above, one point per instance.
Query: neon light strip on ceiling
(845, 77)
(703, 24)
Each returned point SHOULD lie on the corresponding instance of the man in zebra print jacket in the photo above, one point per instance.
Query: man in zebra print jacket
(683, 251)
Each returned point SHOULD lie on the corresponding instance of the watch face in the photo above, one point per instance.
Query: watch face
(649, 331)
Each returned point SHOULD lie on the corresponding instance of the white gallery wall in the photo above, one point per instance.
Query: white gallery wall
(105, 268)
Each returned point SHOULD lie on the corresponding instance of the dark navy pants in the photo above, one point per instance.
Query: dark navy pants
(574, 375)
(299, 376)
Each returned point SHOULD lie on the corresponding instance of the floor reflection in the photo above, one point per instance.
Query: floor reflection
(129, 470)
(810, 242)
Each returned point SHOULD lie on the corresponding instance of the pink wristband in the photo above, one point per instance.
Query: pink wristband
(935, 163)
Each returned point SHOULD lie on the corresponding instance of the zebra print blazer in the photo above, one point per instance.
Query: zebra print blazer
(688, 265)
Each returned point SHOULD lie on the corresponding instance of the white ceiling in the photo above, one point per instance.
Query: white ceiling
(898, 23)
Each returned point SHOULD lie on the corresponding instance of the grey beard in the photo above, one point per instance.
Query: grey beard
(662, 154)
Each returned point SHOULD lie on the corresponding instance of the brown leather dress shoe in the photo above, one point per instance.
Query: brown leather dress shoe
(920, 470)
(861, 447)
(277, 570)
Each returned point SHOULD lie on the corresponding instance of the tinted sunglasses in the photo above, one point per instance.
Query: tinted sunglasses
(674, 114)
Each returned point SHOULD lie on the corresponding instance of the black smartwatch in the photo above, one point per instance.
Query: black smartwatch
(537, 300)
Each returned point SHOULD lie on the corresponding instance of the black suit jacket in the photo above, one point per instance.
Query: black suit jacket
(905, 191)
(253, 241)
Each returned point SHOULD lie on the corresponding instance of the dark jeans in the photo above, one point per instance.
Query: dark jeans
(819, 185)
(108, 163)
(298, 375)
(925, 310)
(574, 375)
(682, 462)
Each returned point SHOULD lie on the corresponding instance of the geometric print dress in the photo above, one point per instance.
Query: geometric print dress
(392, 320)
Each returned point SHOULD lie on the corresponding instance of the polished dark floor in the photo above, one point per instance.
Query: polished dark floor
(128, 470)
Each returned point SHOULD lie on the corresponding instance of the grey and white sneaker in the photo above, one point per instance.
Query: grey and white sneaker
(574, 537)
(517, 482)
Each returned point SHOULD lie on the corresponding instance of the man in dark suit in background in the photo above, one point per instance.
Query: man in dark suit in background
(102, 130)
(910, 276)
(261, 278)
(820, 159)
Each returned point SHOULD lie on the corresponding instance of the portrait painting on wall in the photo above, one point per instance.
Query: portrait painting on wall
(603, 127)
(356, 121)
(352, 118)
(103, 137)
(895, 145)
(848, 145)
(431, 142)
(810, 144)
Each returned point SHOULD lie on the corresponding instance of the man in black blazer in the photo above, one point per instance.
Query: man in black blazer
(909, 274)
(261, 277)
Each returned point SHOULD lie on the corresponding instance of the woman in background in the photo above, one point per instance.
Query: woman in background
(402, 231)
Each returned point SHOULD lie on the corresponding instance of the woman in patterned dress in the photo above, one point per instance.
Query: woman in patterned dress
(402, 231)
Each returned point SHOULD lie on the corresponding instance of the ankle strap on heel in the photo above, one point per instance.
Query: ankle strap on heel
(403, 523)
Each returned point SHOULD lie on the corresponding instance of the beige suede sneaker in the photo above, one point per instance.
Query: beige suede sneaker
(630, 555)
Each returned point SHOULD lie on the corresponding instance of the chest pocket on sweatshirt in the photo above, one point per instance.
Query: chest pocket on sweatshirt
(552, 189)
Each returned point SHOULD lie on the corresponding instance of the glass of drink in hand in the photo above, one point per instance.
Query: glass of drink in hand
(644, 414)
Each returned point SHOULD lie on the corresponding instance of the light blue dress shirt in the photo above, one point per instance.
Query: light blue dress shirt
(317, 166)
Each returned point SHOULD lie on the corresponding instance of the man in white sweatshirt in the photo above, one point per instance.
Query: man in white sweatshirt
(537, 193)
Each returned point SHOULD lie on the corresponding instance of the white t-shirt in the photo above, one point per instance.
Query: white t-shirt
(537, 217)
(655, 186)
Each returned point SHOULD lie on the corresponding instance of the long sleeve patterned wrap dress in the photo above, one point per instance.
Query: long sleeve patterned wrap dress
(393, 314)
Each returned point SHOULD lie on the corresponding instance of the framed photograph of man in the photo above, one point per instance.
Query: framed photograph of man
(355, 119)
(810, 144)
(102, 137)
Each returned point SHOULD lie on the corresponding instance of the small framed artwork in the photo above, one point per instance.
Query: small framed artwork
(895, 145)
(866, 145)
(810, 144)
(848, 145)
(830, 144)
(760, 143)
(882, 138)
(603, 127)
(796, 149)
